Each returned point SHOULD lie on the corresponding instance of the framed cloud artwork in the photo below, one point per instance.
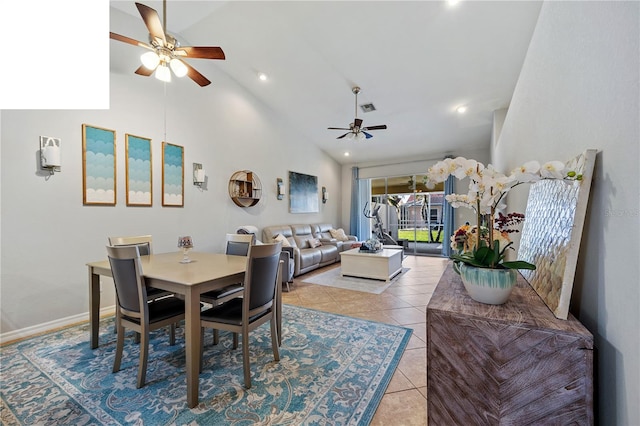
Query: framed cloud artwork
(172, 175)
(98, 166)
(139, 177)
(303, 193)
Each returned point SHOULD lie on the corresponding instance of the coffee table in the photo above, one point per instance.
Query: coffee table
(383, 265)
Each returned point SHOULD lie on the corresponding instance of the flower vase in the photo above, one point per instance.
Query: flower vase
(489, 286)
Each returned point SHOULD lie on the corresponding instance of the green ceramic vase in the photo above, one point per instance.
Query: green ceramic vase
(490, 286)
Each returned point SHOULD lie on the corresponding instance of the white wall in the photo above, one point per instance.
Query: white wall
(47, 233)
(579, 89)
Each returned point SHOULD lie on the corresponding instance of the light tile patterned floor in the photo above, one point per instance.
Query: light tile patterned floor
(403, 303)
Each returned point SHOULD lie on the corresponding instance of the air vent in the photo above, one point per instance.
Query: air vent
(368, 107)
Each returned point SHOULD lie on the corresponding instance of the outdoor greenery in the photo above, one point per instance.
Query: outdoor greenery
(421, 235)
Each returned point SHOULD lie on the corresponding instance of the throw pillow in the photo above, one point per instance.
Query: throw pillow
(314, 242)
(339, 234)
(281, 238)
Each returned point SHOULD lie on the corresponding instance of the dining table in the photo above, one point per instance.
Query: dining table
(204, 272)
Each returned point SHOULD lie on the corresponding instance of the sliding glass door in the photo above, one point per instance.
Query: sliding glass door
(408, 213)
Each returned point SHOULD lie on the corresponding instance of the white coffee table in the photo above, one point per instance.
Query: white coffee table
(383, 265)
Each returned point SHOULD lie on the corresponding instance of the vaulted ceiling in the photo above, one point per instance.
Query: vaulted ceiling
(416, 61)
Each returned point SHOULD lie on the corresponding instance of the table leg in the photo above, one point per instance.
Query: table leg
(192, 345)
(94, 306)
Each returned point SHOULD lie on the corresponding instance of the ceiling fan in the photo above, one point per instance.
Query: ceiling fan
(355, 130)
(165, 51)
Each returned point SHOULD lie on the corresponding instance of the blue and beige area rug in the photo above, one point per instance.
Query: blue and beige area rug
(333, 370)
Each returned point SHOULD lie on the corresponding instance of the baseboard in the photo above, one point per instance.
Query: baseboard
(51, 325)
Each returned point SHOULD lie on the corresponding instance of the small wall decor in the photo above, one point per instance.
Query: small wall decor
(98, 166)
(303, 193)
(279, 188)
(50, 154)
(325, 195)
(139, 177)
(172, 175)
(552, 231)
(245, 188)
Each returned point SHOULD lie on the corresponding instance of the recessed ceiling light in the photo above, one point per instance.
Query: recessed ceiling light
(262, 76)
(453, 2)
(346, 154)
(461, 109)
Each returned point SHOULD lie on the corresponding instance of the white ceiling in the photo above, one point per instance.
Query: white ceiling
(416, 61)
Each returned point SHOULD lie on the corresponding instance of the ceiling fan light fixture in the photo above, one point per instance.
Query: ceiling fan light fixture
(178, 67)
(163, 73)
(150, 60)
(360, 136)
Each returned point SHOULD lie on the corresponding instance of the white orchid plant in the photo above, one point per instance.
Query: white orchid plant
(487, 189)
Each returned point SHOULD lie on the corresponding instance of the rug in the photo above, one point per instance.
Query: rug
(333, 370)
(332, 278)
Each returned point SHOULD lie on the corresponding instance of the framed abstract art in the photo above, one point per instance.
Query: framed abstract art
(303, 193)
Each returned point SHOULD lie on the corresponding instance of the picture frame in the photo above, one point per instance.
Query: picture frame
(172, 175)
(303, 193)
(139, 170)
(98, 166)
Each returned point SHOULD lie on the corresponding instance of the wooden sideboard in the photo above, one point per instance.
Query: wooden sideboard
(511, 364)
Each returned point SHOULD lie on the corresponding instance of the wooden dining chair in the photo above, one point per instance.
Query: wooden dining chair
(143, 242)
(236, 245)
(134, 310)
(257, 306)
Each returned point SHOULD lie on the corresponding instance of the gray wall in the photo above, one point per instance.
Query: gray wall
(48, 235)
(578, 89)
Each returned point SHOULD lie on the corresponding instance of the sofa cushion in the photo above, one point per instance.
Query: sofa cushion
(310, 257)
(328, 253)
(302, 234)
(281, 238)
(314, 242)
(270, 232)
(339, 234)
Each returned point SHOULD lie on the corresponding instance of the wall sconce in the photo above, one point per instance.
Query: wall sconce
(50, 154)
(325, 195)
(198, 174)
(279, 189)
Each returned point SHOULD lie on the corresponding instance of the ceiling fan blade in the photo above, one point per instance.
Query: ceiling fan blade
(337, 128)
(340, 137)
(129, 40)
(196, 76)
(357, 122)
(142, 70)
(152, 21)
(368, 135)
(380, 127)
(202, 52)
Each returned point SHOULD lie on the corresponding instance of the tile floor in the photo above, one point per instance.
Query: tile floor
(403, 303)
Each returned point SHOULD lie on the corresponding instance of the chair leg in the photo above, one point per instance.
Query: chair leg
(117, 321)
(235, 340)
(144, 354)
(245, 360)
(275, 339)
(119, 348)
(216, 336)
